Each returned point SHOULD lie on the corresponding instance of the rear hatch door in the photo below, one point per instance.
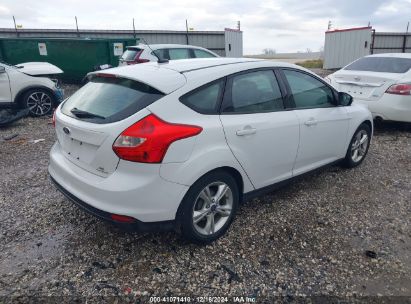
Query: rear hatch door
(88, 123)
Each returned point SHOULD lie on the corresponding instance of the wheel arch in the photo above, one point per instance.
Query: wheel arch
(19, 96)
(230, 170)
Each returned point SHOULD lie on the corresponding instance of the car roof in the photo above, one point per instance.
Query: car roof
(397, 55)
(165, 46)
(170, 76)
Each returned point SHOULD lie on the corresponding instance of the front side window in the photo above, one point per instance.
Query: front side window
(202, 54)
(205, 99)
(255, 92)
(176, 54)
(307, 91)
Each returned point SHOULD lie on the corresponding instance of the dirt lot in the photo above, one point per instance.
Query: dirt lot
(337, 232)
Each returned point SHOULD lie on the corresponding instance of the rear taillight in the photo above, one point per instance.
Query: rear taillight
(147, 140)
(53, 120)
(400, 89)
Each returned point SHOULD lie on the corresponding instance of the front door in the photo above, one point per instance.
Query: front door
(5, 94)
(323, 124)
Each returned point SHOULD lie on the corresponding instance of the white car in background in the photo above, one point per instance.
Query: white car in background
(382, 82)
(26, 85)
(143, 53)
(181, 144)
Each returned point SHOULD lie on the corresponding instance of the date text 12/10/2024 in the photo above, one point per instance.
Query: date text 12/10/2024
(203, 299)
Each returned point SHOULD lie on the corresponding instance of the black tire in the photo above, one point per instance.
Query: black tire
(39, 101)
(192, 199)
(350, 161)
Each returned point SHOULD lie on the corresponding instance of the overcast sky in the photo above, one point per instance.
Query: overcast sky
(284, 25)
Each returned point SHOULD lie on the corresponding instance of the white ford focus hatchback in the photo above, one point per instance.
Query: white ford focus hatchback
(181, 144)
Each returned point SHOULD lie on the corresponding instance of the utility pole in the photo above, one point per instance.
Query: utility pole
(186, 32)
(238, 25)
(134, 30)
(78, 33)
(408, 25)
(15, 27)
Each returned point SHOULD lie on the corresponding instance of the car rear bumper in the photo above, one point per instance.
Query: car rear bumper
(134, 190)
(390, 107)
(106, 216)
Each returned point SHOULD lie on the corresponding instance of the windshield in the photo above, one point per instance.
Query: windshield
(104, 100)
(381, 64)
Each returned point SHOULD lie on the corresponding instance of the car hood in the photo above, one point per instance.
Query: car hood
(38, 68)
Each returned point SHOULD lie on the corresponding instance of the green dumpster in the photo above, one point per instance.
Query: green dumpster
(75, 56)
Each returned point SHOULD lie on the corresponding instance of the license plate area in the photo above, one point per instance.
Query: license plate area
(79, 150)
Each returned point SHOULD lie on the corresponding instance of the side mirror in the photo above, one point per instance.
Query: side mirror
(2, 69)
(344, 99)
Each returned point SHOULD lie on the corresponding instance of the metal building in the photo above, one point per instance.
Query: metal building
(227, 43)
(344, 46)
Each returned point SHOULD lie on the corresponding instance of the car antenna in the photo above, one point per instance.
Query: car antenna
(154, 53)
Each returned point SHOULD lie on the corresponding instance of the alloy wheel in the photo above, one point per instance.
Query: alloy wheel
(39, 103)
(212, 208)
(359, 146)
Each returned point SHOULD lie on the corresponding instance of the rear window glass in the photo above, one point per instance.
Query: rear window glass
(205, 99)
(105, 100)
(381, 64)
(130, 54)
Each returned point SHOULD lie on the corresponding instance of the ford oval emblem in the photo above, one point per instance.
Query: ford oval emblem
(66, 130)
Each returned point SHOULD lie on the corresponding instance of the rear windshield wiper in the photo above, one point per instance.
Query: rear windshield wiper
(85, 114)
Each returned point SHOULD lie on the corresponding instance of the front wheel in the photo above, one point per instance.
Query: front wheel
(358, 147)
(209, 207)
(39, 102)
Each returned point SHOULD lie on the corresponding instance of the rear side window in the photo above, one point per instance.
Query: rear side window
(205, 99)
(307, 91)
(176, 54)
(130, 54)
(202, 54)
(255, 92)
(162, 53)
(105, 100)
(381, 64)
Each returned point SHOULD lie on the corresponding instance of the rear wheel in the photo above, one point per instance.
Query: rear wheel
(358, 147)
(209, 207)
(38, 101)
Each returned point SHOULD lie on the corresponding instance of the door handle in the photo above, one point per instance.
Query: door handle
(246, 131)
(311, 122)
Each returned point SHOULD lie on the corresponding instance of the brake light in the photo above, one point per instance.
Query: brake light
(400, 89)
(53, 120)
(147, 140)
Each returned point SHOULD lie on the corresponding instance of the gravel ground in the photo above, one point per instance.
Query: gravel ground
(337, 232)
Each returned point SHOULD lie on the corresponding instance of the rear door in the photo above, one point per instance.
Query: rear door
(323, 125)
(261, 133)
